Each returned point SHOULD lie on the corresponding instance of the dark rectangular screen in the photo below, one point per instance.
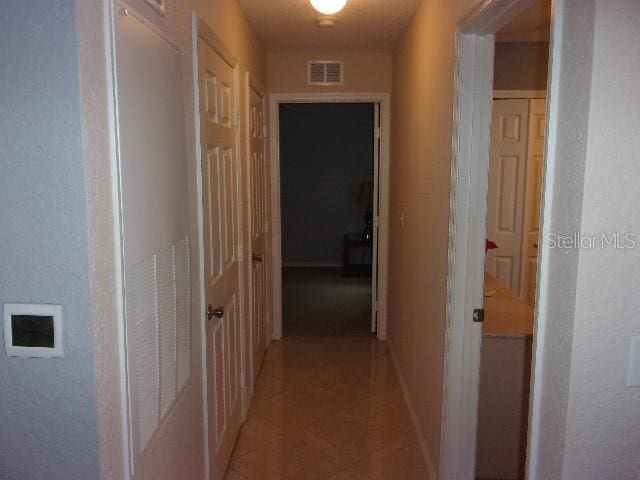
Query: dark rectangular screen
(32, 331)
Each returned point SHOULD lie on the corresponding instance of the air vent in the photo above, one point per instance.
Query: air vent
(325, 72)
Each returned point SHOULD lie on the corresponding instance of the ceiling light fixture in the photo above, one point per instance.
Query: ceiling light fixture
(328, 7)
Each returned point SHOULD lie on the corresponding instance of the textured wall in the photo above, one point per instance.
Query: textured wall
(422, 106)
(325, 154)
(569, 121)
(363, 72)
(47, 407)
(584, 415)
(603, 422)
(521, 66)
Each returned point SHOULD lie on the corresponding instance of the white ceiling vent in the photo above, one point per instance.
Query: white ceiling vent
(325, 72)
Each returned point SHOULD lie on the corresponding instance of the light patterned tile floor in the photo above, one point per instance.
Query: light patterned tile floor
(327, 408)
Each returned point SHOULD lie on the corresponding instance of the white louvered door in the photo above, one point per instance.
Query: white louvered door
(258, 224)
(220, 199)
(155, 237)
(509, 131)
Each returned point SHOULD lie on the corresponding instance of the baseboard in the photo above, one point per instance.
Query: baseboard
(426, 454)
(312, 264)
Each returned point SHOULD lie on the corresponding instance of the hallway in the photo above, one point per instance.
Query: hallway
(327, 408)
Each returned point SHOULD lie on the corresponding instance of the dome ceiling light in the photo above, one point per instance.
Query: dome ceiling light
(328, 7)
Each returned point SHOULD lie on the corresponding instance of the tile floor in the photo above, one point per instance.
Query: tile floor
(327, 408)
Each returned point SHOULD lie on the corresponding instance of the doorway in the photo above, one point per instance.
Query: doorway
(344, 262)
(469, 363)
(515, 174)
(516, 165)
(327, 164)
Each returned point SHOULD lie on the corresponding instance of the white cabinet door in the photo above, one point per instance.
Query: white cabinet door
(509, 131)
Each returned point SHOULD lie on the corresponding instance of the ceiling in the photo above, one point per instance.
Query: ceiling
(532, 25)
(290, 25)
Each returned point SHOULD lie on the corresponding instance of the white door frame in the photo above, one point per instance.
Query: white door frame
(383, 181)
(469, 187)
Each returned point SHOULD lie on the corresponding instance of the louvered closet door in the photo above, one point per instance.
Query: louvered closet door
(221, 268)
(155, 228)
(509, 131)
(259, 251)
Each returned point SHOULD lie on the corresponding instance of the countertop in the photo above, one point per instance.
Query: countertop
(506, 315)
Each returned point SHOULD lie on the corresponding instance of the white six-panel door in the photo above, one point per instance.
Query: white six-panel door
(220, 200)
(507, 172)
(258, 225)
(533, 193)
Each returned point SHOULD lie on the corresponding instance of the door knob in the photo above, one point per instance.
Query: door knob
(256, 257)
(214, 312)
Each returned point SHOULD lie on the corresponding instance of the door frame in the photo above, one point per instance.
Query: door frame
(383, 184)
(473, 96)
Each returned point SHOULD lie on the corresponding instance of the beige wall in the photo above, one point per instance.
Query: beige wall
(521, 66)
(231, 25)
(363, 72)
(224, 16)
(422, 112)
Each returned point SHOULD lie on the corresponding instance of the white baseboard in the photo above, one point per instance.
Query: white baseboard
(426, 454)
(312, 264)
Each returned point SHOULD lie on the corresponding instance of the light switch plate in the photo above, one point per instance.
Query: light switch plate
(634, 363)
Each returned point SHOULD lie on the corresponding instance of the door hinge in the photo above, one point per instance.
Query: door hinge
(243, 380)
(376, 221)
(236, 118)
(266, 226)
(478, 315)
(240, 253)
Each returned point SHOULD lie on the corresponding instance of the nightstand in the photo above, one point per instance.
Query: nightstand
(357, 255)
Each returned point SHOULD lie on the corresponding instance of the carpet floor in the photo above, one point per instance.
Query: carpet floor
(321, 302)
